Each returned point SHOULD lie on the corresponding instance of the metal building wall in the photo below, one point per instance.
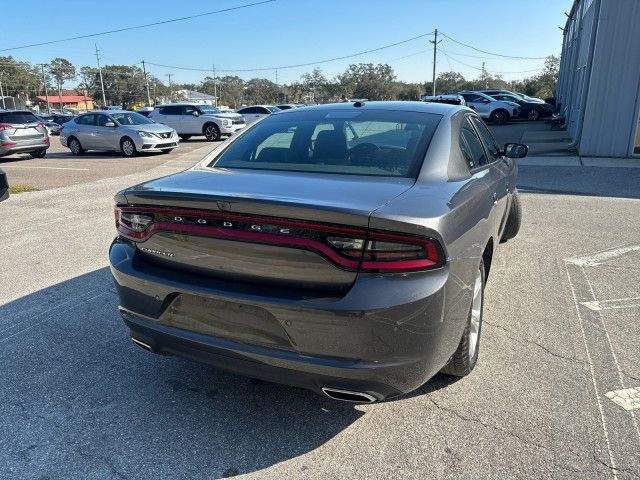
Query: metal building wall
(611, 112)
(599, 80)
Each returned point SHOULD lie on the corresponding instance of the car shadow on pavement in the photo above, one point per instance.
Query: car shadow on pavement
(80, 400)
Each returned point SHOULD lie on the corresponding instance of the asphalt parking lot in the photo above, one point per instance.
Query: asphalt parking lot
(559, 356)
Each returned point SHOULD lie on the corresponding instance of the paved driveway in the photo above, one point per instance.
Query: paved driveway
(79, 400)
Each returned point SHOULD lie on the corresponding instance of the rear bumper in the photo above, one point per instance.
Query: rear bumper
(382, 337)
(24, 147)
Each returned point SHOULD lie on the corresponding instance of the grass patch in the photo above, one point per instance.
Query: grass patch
(22, 187)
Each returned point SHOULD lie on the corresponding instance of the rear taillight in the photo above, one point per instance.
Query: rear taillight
(41, 124)
(350, 248)
(5, 126)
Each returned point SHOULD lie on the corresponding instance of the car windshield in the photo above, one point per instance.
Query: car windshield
(352, 142)
(206, 109)
(130, 118)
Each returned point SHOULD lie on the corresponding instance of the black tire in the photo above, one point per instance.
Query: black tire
(463, 361)
(75, 146)
(168, 150)
(211, 132)
(499, 116)
(38, 154)
(533, 115)
(184, 137)
(128, 147)
(514, 219)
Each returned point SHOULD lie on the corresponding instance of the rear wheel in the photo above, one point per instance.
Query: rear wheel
(499, 117)
(211, 132)
(466, 356)
(75, 147)
(514, 219)
(128, 147)
(38, 154)
(533, 115)
(184, 137)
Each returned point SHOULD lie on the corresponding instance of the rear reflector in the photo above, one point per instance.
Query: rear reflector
(350, 248)
(8, 144)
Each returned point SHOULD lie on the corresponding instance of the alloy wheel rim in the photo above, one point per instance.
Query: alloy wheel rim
(476, 316)
(533, 115)
(211, 133)
(74, 147)
(127, 147)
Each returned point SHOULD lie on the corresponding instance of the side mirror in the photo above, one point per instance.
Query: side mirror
(515, 150)
(195, 113)
(4, 186)
(109, 124)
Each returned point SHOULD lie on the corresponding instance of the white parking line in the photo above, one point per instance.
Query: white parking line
(612, 304)
(599, 258)
(628, 398)
(45, 168)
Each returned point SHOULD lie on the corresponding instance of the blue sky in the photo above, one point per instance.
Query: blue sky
(292, 31)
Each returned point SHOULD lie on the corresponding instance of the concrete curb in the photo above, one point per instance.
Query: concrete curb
(572, 161)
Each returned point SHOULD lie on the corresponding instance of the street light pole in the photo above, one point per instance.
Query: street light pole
(215, 86)
(170, 87)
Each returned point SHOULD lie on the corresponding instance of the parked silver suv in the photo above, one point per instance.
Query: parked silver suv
(22, 132)
(489, 108)
(124, 131)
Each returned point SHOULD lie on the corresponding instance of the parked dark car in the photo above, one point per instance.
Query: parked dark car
(4, 186)
(343, 248)
(530, 110)
(22, 132)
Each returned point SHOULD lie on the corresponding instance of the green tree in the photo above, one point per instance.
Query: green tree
(19, 79)
(261, 90)
(366, 80)
(124, 85)
(61, 70)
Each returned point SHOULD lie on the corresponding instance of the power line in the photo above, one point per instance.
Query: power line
(283, 67)
(480, 68)
(124, 29)
(491, 53)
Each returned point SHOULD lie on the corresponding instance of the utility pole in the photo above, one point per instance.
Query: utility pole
(435, 50)
(104, 98)
(44, 82)
(2, 91)
(215, 85)
(146, 79)
(277, 85)
(484, 76)
(170, 87)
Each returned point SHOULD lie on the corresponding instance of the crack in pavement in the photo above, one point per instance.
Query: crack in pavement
(547, 350)
(105, 461)
(611, 468)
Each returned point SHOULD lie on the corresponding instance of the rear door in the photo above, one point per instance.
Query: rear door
(171, 116)
(85, 131)
(500, 169)
(251, 114)
(190, 119)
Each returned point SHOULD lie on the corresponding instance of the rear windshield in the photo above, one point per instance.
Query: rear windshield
(17, 117)
(357, 142)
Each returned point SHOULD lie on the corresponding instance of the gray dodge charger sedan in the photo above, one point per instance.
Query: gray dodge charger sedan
(342, 248)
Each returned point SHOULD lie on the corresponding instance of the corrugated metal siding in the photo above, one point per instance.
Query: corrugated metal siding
(611, 109)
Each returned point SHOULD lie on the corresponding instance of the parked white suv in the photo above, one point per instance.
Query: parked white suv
(498, 111)
(190, 120)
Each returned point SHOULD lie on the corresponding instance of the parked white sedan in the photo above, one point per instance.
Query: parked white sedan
(256, 112)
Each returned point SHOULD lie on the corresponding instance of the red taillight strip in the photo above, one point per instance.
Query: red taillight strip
(242, 218)
(243, 235)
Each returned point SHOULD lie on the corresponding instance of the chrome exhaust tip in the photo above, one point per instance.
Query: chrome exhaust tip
(348, 395)
(142, 344)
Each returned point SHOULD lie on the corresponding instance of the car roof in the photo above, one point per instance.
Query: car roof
(407, 106)
(106, 112)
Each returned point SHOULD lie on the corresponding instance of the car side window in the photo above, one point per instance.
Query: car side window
(188, 110)
(471, 146)
(171, 110)
(263, 110)
(101, 120)
(487, 140)
(86, 120)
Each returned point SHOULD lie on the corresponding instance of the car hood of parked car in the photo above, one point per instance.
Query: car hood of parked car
(223, 115)
(149, 127)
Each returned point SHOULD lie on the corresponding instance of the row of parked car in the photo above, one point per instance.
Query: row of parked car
(156, 128)
(497, 106)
